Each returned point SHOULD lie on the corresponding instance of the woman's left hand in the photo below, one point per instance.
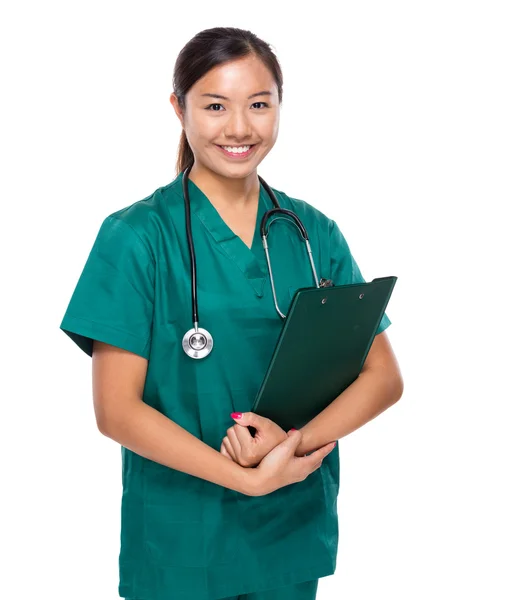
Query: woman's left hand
(248, 451)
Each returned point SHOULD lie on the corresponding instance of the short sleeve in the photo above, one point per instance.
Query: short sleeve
(343, 267)
(113, 299)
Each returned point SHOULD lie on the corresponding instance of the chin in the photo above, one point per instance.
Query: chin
(233, 171)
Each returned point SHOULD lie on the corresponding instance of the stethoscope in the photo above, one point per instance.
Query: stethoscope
(198, 342)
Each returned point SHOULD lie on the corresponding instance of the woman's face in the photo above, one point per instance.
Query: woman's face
(234, 105)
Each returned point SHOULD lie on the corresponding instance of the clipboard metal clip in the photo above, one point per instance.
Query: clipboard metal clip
(326, 282)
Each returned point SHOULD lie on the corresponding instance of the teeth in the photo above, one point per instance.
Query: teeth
(238, 150)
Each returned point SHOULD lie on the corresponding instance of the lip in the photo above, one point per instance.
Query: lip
(241, 156)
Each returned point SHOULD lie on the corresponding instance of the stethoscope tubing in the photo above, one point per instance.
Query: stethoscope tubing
(191, 248)
(264, 229)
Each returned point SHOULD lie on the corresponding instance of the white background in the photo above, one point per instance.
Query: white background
(393, 125)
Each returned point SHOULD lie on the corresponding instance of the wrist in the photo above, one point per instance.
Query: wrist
(249, 481)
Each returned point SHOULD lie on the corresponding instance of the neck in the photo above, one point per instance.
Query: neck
(226, 192)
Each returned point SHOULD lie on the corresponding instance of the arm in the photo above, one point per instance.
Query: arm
(118, 383)
(378, 386)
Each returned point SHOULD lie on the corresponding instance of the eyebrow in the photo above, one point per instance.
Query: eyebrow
(264, 93)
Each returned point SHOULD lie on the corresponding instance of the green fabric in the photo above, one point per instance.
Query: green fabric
(181, 536)
(307, 590)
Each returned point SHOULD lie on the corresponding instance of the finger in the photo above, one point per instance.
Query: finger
(252, 419)
(234, 441)
(225, 452)
(229, 448)
(316, 458)
(293, 439)
(243, 435)
(290, 443)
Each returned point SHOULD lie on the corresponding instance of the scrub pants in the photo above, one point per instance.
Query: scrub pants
(298, 591)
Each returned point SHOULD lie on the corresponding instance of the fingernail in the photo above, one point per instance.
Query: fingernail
(334, 444)
(236, 415)
(292, 429)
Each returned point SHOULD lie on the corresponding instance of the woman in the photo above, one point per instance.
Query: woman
(197, 521)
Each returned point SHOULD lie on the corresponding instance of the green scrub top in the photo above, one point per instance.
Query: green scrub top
(183, 537)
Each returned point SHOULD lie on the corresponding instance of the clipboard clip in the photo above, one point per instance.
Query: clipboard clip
(325, 282)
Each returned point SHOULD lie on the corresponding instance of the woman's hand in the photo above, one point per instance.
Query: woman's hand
(248, 451)
(281, 467)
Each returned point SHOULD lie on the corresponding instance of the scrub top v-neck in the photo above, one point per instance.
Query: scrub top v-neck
(251, 261)
(181, 536)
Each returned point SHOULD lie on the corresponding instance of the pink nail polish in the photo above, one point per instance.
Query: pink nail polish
(236, 415)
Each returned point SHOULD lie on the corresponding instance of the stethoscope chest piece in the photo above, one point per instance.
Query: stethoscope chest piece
(197, 343)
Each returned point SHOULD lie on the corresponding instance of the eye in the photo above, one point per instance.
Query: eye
(214, 104)
(209, 107)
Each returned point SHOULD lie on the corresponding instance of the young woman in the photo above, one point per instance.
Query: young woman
(208, 510)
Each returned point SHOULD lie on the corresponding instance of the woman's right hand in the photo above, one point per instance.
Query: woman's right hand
(280, 467)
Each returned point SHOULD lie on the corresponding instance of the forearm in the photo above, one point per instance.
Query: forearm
(147, 432)
(375, 390)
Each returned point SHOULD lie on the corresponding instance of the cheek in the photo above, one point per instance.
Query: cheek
(200, 132)
(269, 131)
(275, 129)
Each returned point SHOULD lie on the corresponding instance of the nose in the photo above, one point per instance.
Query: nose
(238, 126)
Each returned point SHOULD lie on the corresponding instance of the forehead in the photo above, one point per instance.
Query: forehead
(236, 78)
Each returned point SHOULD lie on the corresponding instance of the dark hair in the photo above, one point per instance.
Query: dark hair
(206, 50)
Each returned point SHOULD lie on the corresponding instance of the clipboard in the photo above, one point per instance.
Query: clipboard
(321, 349)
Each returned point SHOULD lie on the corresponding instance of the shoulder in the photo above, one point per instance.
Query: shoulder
(313, 218)
(137, 224)
(331, 240)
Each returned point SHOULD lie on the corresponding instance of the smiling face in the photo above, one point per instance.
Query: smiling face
(234, 105)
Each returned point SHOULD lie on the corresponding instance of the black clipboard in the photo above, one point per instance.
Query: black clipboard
(321, 349)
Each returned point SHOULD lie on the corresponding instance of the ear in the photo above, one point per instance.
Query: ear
(178, 111)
